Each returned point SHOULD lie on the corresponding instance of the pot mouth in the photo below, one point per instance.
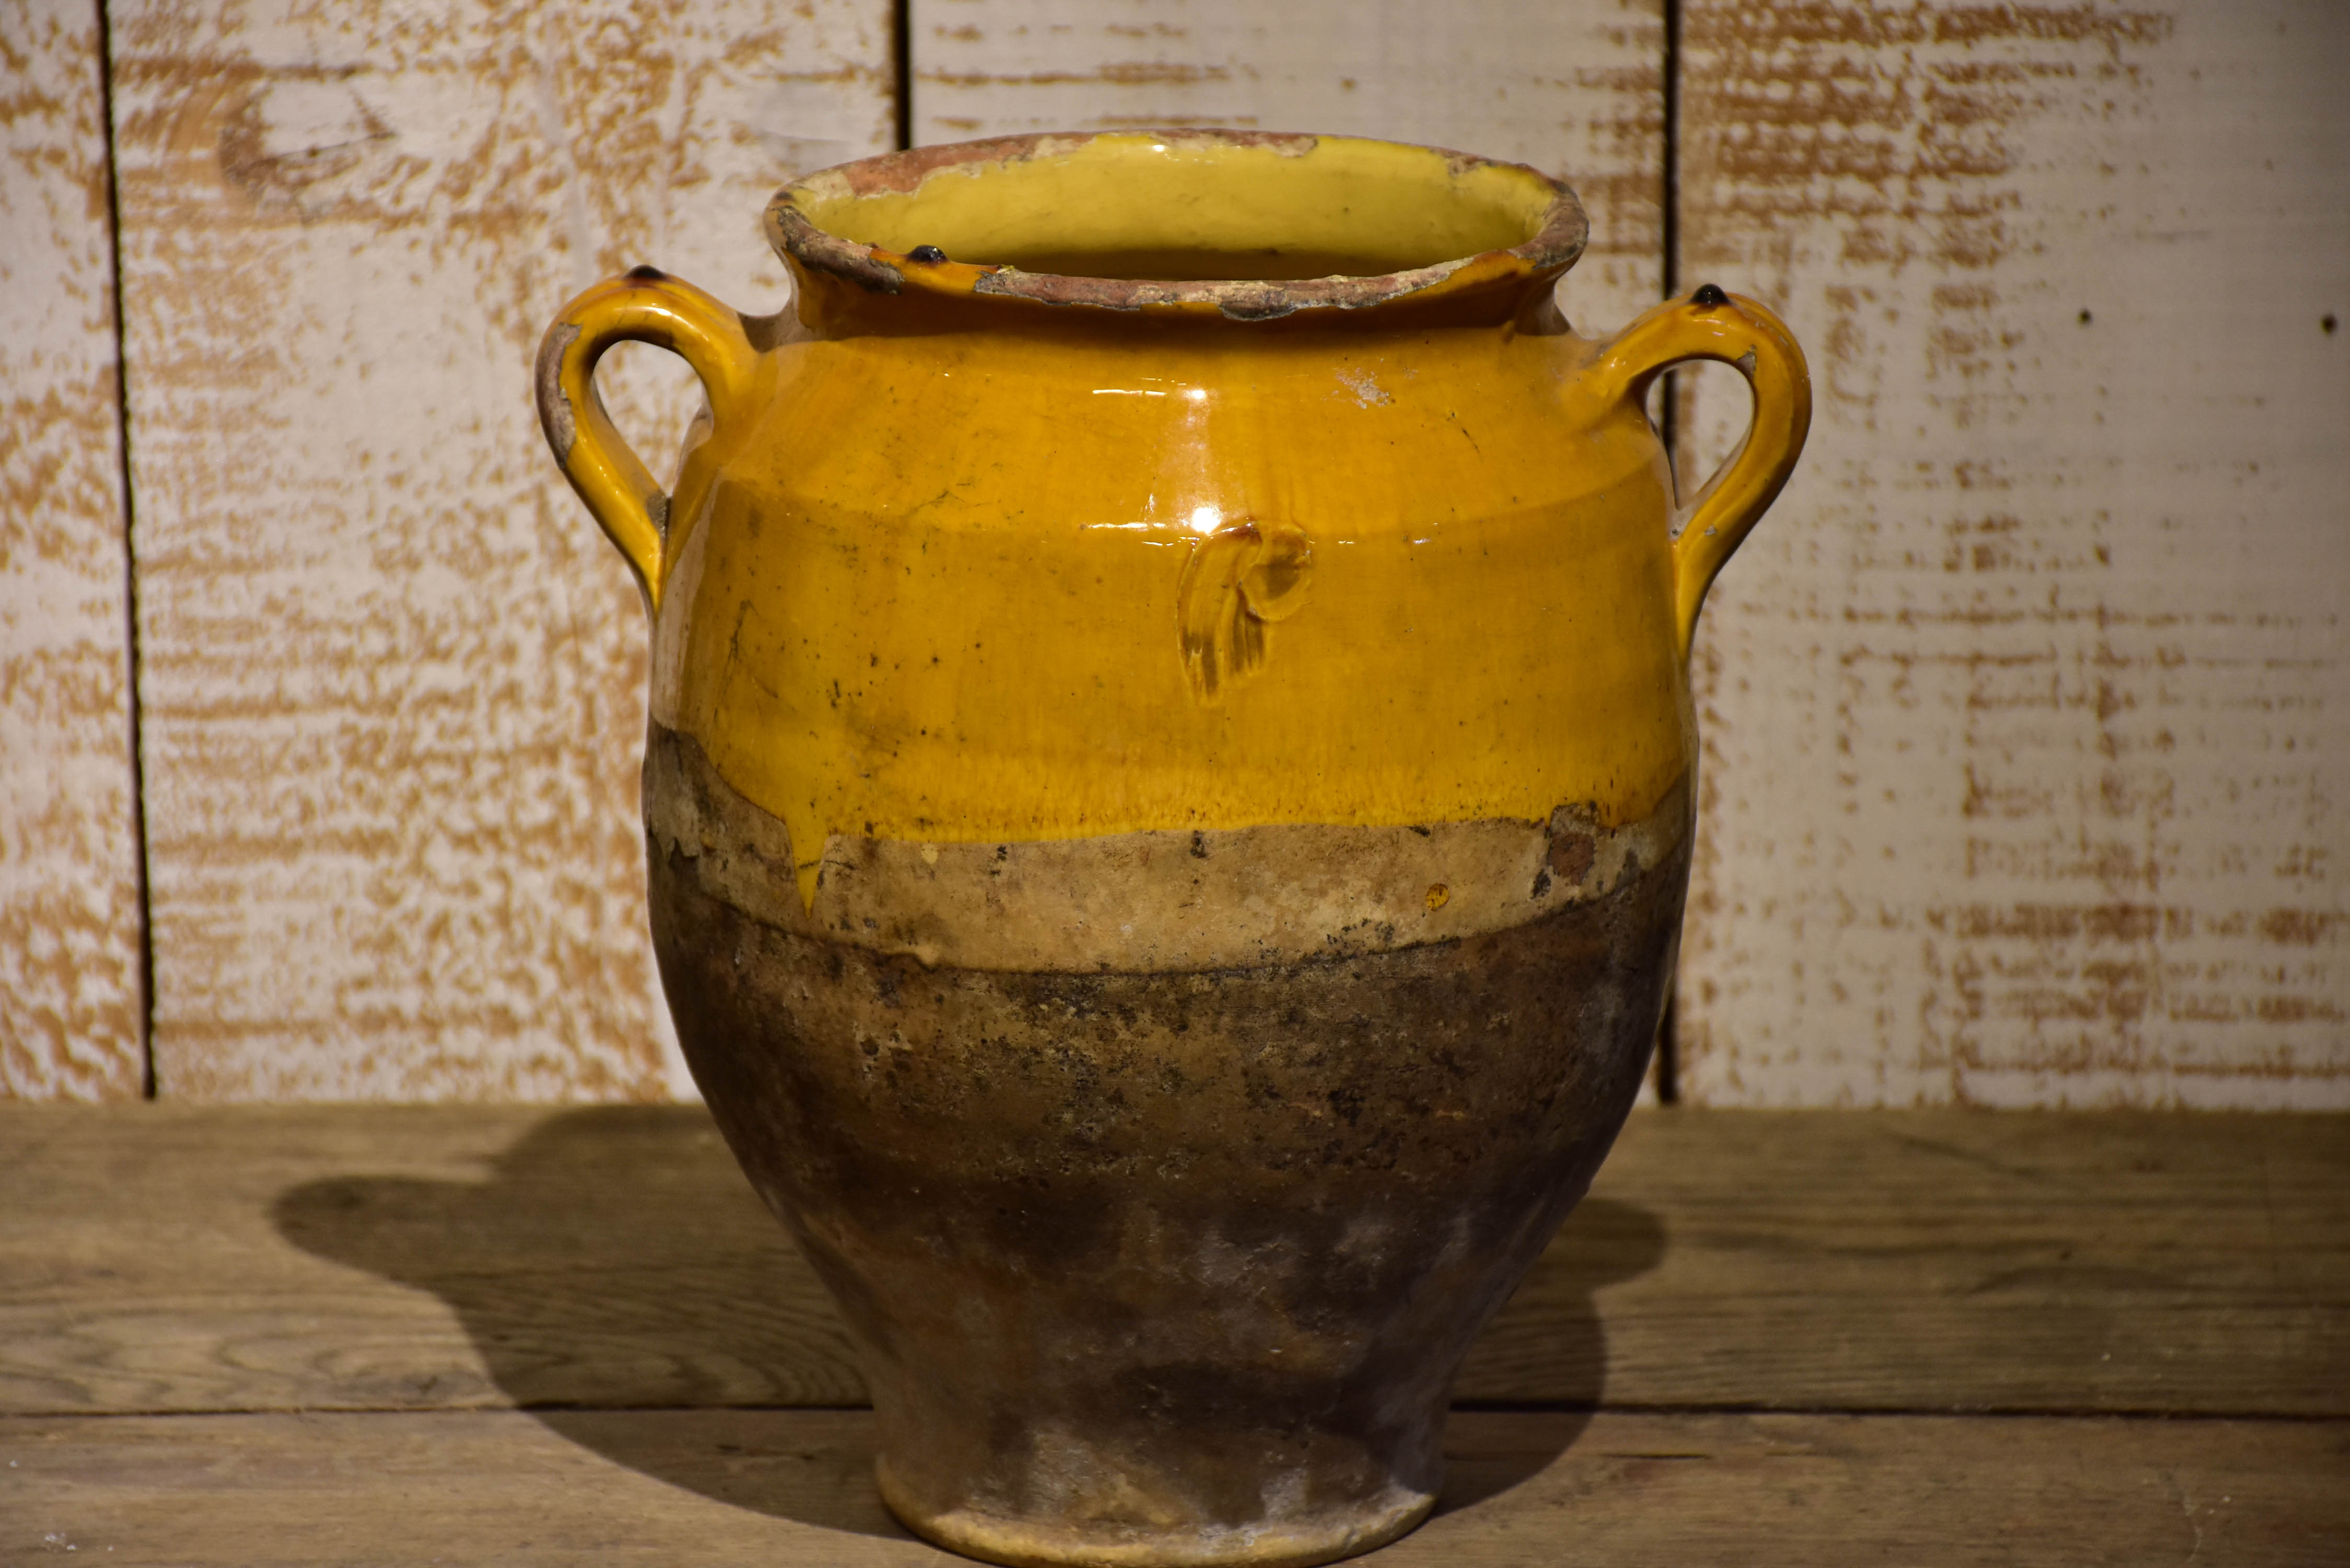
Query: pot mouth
(1244, 225)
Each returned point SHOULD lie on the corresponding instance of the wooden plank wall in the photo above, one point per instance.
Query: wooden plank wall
(1571, 86)
(2019, 710)
(392, 678)
(2026, 717)
(70, 1001)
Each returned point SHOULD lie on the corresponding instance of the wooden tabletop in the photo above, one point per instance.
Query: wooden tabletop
(516, 1336)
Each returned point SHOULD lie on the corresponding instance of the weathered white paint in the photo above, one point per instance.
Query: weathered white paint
(2027, 714)
(69, 987)
(1573, 87)
(392, 677)
(2020, 767)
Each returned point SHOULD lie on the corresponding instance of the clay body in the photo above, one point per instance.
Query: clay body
(1169, 793)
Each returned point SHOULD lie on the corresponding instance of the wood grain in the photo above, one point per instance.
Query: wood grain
(792, 1487)
(316, 1258)
(2020, 712)
(71, 1026)
(167, 1259)
(394, 679)
(2024, 712)
(1947, 1261)
(1575, 87)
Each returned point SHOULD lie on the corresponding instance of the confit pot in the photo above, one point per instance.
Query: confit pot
(1169, 792)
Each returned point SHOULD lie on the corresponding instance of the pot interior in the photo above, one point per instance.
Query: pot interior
(1187, 206)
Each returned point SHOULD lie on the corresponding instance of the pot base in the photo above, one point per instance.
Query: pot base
(1174, 1265)
(1029, 1542)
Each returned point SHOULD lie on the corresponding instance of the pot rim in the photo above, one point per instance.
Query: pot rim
(1557, 240)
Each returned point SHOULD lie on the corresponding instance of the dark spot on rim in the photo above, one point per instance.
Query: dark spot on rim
(1708, 295)
(2328, 322)
(2085, 318)
(926, 254)
(646, 274)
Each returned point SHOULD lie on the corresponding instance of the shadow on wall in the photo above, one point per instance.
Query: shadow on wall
(615, 1269)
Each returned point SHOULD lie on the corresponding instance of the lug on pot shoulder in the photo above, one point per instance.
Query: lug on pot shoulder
(1169, 792)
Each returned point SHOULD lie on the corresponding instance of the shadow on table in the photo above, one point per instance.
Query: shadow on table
(614, 1269)
(1548, 1348)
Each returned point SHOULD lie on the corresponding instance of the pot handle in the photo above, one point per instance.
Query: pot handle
(1740, 333)
(643, 305)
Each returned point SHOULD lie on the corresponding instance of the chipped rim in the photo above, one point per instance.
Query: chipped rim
(1549, 252)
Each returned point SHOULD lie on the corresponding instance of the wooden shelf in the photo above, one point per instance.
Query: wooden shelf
(513, 1335)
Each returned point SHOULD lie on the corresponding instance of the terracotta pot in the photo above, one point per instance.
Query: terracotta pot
(1169, 802)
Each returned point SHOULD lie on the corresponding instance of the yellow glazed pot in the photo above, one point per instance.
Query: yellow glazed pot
(1169, 792)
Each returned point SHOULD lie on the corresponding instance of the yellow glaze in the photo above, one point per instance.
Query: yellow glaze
(971, 551)
(1286, 206)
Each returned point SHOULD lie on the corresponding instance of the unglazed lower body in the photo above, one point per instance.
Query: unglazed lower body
(1163, 1180)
